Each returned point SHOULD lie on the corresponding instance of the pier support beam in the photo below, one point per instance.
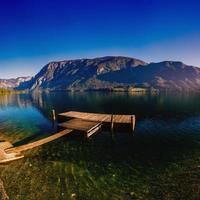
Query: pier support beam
(53, 115)
(54, 124)
(112, 128)
(132, 123)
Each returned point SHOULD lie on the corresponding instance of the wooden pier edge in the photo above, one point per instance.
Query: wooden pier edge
(38, 143)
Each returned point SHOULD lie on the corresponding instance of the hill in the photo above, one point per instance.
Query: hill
(114, 71)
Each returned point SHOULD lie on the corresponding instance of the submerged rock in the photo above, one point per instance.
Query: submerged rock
(3, 195)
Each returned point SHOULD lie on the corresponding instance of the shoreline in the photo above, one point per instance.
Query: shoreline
(3, 194)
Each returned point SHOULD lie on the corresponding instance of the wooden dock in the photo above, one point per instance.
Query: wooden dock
(86, 123)
(104, 120)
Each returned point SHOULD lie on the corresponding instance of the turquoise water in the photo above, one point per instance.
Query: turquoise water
(161, 161)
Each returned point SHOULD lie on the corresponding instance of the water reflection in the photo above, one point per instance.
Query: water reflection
(166, 144)
(163, 105)
(23, 100)
(35, 109)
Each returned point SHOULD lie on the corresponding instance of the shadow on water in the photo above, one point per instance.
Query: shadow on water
(27, 139)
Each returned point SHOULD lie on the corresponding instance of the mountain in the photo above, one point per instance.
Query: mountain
(110, 72)
(79, 74)
(164, 75)
(14, 82)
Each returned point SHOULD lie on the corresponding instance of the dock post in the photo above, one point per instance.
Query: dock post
(53, 115)
(53, 118)
(132, 123)
(112, 127)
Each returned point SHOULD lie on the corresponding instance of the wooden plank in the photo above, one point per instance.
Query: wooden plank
(37, 143)
(97, 117)
(80, 125)
(93, 131)
(97, 126)
(7, 160)
(5, 145)
(7, 157)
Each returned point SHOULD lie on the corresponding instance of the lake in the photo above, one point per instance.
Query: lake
(161, 160)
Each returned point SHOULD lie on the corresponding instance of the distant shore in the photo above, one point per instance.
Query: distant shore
(131, 90)
(11, 91)
(117, 89)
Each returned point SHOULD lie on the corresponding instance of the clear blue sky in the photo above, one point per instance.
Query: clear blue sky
(34, 32)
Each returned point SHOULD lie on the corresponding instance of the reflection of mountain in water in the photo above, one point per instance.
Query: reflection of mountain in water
(22, 100)
(105, 102)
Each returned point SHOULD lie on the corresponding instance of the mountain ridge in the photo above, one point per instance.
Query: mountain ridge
(114, 71)
(13, 82)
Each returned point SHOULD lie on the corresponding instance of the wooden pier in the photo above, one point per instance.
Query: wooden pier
(89, 122)
(86, 123)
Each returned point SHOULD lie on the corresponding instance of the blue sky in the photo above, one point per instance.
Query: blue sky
(34, 32)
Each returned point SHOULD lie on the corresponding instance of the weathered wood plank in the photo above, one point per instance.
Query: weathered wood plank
(8, 157)
(97, 117)
(93, 131)
(37, 143)
(80, 125)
